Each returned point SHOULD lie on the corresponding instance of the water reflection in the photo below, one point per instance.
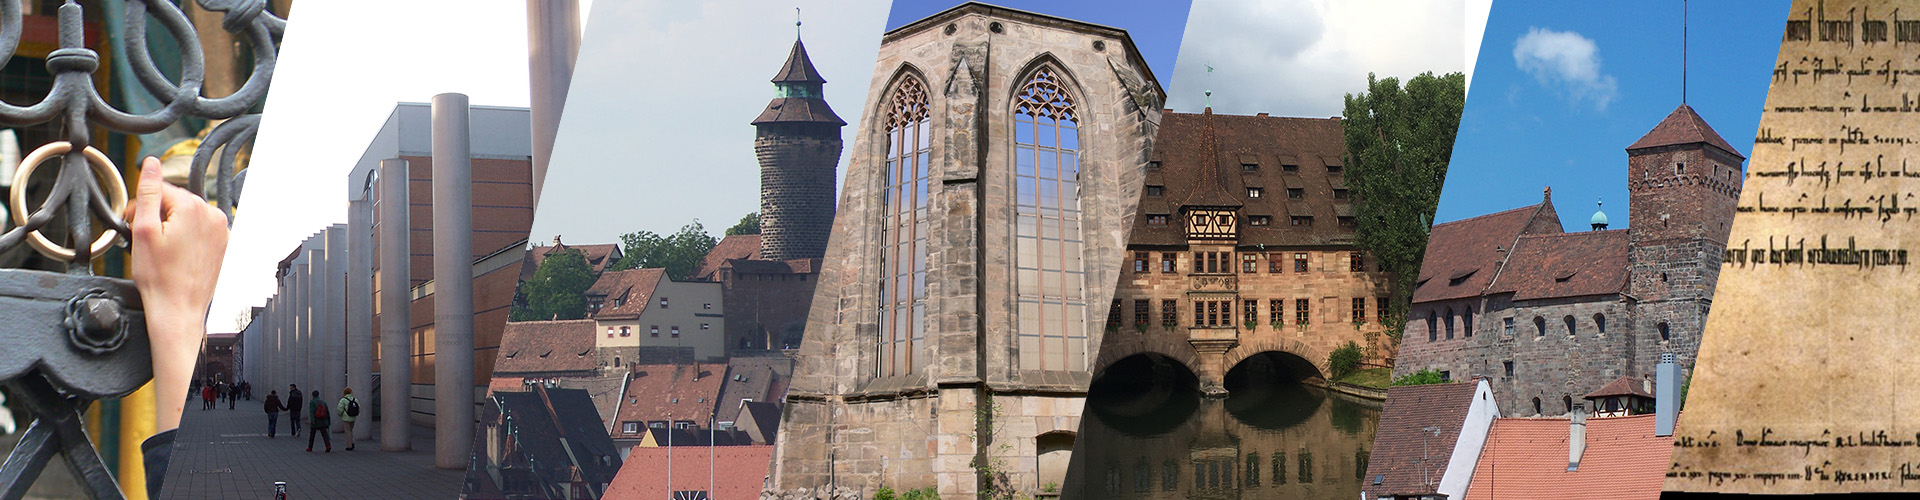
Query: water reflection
(1148, 433)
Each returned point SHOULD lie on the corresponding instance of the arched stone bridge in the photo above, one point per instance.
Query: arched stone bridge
(1212, 352)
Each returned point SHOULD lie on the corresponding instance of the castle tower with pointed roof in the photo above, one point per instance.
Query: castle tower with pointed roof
(798, 145)
(1683, 181)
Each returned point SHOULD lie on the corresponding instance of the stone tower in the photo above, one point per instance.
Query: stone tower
(798, 144)
(989, 192)
(1683, 181)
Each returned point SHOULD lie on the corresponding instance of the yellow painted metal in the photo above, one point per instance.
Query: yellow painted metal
(136, 425)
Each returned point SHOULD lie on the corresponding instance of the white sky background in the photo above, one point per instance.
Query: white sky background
(342, 68)
(1301, 57)
(656, 132)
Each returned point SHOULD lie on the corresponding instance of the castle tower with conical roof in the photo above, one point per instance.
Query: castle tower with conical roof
(798, 145)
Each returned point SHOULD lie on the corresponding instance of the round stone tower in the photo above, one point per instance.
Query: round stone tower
(798, 144)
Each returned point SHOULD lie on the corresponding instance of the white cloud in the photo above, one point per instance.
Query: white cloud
(1568, 63)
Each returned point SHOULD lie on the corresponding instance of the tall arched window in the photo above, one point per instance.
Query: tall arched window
(1047, 241)
(903, 232)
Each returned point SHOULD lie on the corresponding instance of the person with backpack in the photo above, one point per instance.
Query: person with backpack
(322, 420)
(349, 411)
(293, 409)
(273, 413)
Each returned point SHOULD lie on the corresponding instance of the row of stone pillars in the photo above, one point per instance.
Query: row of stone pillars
(319, 323)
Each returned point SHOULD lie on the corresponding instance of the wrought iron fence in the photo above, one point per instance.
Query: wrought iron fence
(73, 337)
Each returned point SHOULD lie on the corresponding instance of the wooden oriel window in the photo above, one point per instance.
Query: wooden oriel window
(903, 228)
(1048, 273)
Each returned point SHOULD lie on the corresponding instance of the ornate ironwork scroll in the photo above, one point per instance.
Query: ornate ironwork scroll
(74, 337)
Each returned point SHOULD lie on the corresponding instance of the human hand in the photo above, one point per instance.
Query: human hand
(178, 244)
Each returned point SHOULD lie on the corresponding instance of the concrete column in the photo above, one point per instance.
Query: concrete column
(396, 304)
(317, 318)
(553, 43)
(360, 311)
(335, 353)
(453, 282)
(297, 286)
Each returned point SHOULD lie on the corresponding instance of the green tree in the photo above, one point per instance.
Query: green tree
(1422, 377)
(747, 225)
(1398, 144)
(679, 252)
(558, 288)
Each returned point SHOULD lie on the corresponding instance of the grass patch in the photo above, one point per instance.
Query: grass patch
(1378, 378)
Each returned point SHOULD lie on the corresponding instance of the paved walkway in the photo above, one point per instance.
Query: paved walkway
(226, 454)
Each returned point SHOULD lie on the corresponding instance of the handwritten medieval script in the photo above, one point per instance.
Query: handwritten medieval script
(1806, 381)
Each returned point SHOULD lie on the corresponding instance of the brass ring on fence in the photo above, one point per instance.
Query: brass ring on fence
(103, 170)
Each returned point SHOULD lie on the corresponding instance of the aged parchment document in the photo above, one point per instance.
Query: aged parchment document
(1806, 380)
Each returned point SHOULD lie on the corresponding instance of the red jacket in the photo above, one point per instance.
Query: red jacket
(206, 392)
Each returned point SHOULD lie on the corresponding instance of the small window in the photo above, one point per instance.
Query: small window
(609, 332)
(1664, 334)
(1536, 407)
(1348, 222)
(1167, 264)
(706, 326)
(1509, 366)
(1340, 194)
(1157, 219)
(1303, 220)
(624, 332)
(1249, 167)
(1334, 169)
(1249, 263)
(1153, 165)
(1356, 263)
(1296, 193)
(1506, 326)
(630, 427)
(708, 305)
(1156, 190)
(1300, 262)
(663, 302)
(1359, 310)
(1169, 312)
(1288, 167)
(1539, 326)
(676, 331)
(1260, 220)
(1250, 312)
(1600, 323)
(1446, 376)
(1300, 313)
(1140, 262)
(1433, 326)
(1253, 192)
(1466, 323)
(655, 330)
(1449, 323)
(1570, 325)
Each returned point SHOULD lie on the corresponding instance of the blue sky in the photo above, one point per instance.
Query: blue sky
(1154, 25)
(1546, 117)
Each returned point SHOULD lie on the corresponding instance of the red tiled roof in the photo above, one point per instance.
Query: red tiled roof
(739, 246)
(534, 347)
(626, 291)
(1401, 442)
(1565, 265)
(598, 256)
(1623, 386)
(736, 472)
(1683, 126)
(1527, 457)
(670, 392)
(1201, 158)
(1462, 256)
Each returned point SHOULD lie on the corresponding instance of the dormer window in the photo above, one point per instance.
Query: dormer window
(1334, 169)
(1260, 220)
(1156, 190)
(1153, 165)
(1156, 219)
(1254, 192)
(1296, 193)
(1249, 167)
(1348, 222)
(1340, 194)
(1289, 167)
(1303, 220)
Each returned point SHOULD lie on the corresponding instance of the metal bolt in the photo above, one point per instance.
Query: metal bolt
(101, 319)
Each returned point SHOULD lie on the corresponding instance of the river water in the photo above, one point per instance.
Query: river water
(1148, 433)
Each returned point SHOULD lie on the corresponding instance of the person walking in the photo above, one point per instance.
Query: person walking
(321, 421)
(273, 413)
(349, 411)
(206, 397)
(293, 409)
(233, 394)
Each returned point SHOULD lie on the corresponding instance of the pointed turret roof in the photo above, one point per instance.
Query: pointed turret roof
(1683, 126)
(799, 68)
(1211, 189)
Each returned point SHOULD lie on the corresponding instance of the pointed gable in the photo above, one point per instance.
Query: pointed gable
(1463, 256)
(1683, 126)
(799, 67)
(1211, 189)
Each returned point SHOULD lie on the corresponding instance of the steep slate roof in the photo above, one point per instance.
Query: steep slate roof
(1528, 457)
(605, 391)
(1463, 256)
(739, 246)
(627, 292)
(1566, 265)
(760, 418)
(687, 392)
(1191, 175)
(1401, 443)
(556, 430)
(798, 71)
(1623, 386)
(755, 378)
(546, 347)
(736, 472)
(1683, 126)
